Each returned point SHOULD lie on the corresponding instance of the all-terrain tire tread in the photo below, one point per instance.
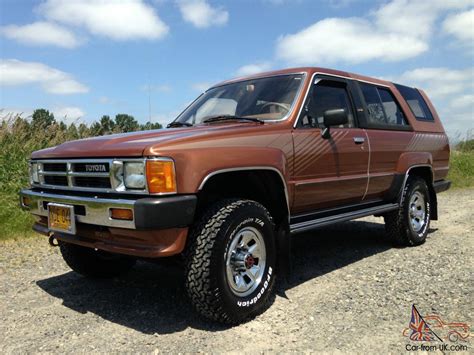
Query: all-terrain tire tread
(396, 224)
(198, 254)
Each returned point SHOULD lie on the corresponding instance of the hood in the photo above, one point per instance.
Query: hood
(134, 144)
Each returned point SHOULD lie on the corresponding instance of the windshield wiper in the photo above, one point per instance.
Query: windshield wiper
(232, 117)
(178, 124)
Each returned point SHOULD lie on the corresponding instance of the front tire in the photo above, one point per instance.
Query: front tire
(408, 226)
(95, 264)
(230, 261)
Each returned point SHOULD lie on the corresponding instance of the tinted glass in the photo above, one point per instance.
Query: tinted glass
(375, 108)
(265, 98)
(416, 102)
(393, 113)
(382, 107)
(327, 95)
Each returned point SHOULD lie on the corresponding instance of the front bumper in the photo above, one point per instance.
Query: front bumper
(148, 213)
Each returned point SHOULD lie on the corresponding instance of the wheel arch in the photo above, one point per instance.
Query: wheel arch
(265, 185)
(266, 178)
(424, 171)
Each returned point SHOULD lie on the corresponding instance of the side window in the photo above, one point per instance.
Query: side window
(327, 95)
(374, 104)
(416, 102)
(393, 111)
(382, 107)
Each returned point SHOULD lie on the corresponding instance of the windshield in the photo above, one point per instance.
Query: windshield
(266, 99)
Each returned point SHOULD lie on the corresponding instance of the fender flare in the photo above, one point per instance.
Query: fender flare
(431, 190)
(249, 168)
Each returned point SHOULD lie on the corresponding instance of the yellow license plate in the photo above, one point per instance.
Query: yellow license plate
(61, 218)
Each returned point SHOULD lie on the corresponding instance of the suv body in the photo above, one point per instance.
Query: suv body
(249, 163)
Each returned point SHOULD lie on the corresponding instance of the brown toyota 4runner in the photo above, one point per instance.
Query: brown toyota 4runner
(249, 163)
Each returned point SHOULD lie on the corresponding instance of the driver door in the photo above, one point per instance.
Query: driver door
(329, 172)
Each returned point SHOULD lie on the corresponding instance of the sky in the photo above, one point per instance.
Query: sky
(82, 59)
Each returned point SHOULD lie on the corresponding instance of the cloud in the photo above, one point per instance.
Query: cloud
(439, 83)
(463, 101)
(118, 20)
(14, 72)
(338, 4)
(452, 93)
(461, 26)
(254, 68)
(201, 14)
(350, 40)
(104, 100)
(68, 114)
(396, 31)
(201, 86)
(41, 33)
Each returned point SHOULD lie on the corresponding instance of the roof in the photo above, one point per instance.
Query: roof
(310, 71)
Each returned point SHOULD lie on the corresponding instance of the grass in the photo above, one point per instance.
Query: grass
(461, 172)
(18, 138)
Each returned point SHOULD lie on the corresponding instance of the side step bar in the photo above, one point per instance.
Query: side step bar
(319, 222)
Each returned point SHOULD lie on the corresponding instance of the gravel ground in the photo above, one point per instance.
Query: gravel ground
(349, 291)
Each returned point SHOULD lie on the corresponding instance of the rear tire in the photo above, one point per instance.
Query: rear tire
(230, 261)
(96, 264)
(408, 226)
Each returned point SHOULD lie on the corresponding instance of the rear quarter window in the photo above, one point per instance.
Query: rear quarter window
(382, 107)
(416, 103)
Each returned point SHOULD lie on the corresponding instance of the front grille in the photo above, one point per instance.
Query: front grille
(55, 180)
(89, 175)
(90, 167)
(94, 182)
(55, 167)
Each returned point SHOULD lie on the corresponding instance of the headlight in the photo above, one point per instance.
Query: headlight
(134, 175)
(161, 176)
(34, 177)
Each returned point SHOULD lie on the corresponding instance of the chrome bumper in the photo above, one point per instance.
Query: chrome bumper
(149, 213)
(96, 210)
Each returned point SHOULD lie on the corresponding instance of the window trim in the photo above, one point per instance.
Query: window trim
(369, 124)
(314, 81)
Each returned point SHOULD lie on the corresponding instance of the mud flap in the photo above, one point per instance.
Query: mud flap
(283, 240)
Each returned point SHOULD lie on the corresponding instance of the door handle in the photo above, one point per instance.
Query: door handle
(359, 140)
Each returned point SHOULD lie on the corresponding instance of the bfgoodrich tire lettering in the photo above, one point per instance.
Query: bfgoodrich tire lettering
(207, 252)
(408, 226)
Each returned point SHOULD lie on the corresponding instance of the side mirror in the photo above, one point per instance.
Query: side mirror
(334, 117)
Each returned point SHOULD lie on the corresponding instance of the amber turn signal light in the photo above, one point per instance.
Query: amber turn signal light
(161, 176)
(26, 201)
(121, 213)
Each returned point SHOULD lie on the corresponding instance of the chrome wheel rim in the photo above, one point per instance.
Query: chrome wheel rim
(245, 261)
(417, 211)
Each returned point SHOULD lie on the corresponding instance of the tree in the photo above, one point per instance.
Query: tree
(126, 123)
(107, 125)
(42, 119)
(72, 132)
(150, 125)
(96, 129)
(83, 131)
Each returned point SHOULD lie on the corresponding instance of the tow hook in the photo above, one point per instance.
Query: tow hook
(53, 241)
